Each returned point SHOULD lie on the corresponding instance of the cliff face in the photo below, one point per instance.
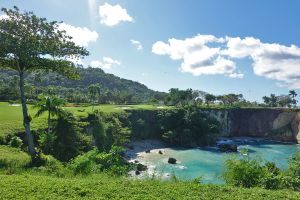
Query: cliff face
(277, 124)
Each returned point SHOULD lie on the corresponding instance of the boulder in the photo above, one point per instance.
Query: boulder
(137, 172)
(141, 167)
(147, 151)
(226, 147)
(160, 152)
(172, 161)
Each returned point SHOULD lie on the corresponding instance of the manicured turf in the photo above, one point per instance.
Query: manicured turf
(106, 187)
(11, 116)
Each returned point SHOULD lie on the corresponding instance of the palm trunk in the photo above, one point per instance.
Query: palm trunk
(26, 120)
(49, 122)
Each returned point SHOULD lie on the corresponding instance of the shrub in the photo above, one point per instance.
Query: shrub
(16, 142)
(68, 140)
(243, 172)
(95, 161)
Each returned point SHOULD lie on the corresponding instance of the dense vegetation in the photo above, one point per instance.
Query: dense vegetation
(246, 172)
(100, 87)
(108, 187)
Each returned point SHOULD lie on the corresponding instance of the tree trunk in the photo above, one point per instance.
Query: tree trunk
(26, 120)
(49, 122)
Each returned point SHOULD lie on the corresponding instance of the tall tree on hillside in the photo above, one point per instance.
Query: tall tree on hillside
(29, 43)
(52, 105)
(94, 91)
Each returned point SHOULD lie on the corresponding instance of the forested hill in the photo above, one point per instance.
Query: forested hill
(113, 89)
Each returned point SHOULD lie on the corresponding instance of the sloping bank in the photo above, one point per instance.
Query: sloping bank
(108, 187)
(277, 124)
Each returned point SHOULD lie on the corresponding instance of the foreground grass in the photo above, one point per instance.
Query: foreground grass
(106, 187)
(11, 116)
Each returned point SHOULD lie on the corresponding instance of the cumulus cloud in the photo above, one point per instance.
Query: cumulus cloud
(80, 35)
(209, 55)
(112, 15)
(105, 63)
(137, 44)
(200, 55)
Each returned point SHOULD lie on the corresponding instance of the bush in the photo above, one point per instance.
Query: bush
(252, 173)
(16, 142)
(243, 173)
(95, 161)
(68, 141)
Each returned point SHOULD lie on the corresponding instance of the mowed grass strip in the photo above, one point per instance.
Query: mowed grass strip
(108, 187)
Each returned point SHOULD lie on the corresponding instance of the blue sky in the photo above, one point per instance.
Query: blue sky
(218, 46)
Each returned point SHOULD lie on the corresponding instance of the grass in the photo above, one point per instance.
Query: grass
(102, 186)
(13, 157)
(11, 116)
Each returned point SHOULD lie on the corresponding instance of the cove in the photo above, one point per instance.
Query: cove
(209, 163)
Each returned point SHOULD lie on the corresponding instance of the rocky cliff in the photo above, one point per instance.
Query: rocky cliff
(277, 124)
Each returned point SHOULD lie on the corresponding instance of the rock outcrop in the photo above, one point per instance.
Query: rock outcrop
(277, 124)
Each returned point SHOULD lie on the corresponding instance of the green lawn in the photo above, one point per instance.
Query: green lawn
(11, 116)
(102, 186)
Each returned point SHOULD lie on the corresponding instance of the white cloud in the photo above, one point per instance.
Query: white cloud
(112, 15)
(197, 56)
(137, 44)
(82, 36)
(76, 61)
(208, 55)
(3, 17)
(105, 63)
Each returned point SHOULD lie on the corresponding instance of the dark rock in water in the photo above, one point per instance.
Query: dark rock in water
(147, 151)
(141, 167)
(172, 161)
(226, 147)
(136, 161)
(160, 152)
(137, 172)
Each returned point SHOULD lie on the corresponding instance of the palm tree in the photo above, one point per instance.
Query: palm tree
(293, 94)
(52, 105)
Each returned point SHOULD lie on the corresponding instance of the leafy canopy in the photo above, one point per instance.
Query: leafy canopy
(28, 43)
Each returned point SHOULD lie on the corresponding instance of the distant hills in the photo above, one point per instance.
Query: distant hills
(111, 86)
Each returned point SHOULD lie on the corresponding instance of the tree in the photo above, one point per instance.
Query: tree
(29, 43)
(271, 101)
(52, 105)
(94, 91)
(209, 98)
(293, 94)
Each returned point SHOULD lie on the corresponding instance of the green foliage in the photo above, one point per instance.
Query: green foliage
(68, 141)
(13, 157)
(16, 142)
(243, 172)
(108, 130)
(109, 187)
(95, 161)
(188, 127)
(253, 173)
(46, 141)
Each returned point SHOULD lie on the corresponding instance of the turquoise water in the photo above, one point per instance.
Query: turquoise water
(208, 163)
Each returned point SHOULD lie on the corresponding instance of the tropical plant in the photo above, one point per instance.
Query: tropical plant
(50, 104)
(293, 95)
(29, 43)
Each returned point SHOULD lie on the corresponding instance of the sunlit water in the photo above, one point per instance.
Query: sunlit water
(209, 163)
